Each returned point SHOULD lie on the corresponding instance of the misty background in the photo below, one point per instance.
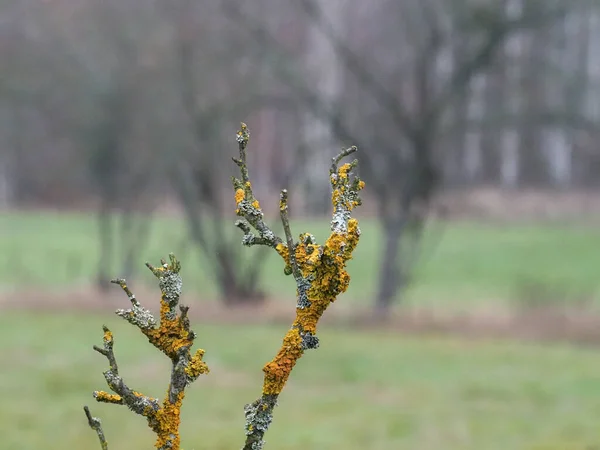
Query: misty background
(478, 129)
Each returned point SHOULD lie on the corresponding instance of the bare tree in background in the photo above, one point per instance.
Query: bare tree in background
(406, 64)
(121, 168)
(96, 80)
(438, 94)
(201, 46)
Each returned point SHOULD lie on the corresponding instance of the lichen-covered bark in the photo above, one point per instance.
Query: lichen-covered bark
(319, 271)
(173, 337)
(320, 275)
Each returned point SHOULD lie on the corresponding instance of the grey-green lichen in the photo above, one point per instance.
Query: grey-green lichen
(259, 416)
(136, 315)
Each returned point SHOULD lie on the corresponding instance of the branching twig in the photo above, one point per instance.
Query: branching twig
(96, 425)
(247, 205)
(172, 335)
(283, 210)
(319, 271)
(138, 403)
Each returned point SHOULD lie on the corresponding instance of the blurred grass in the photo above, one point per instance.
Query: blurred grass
(425, 394)
(461, 263)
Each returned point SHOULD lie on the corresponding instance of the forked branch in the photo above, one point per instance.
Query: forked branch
(319, 271)
(96, 425)
(173, 337)
(320, 275)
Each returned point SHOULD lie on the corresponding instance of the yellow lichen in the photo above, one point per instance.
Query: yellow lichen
(173, 338)
(239, 196)
(330, 280)
(103, 396)
(335, 197)
(278, 370)
(322, 275)
(343, 170)
(138, 394)
(170, 337)
(283, 251)
(166, 423)
(197, 367)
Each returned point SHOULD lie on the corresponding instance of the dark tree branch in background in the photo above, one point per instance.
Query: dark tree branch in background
(402, 172)
(197, 177)
(358, 69)
(497, 28)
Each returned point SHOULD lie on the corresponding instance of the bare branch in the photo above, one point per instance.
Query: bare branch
(340, 156)
(96, 425)
(283, 210)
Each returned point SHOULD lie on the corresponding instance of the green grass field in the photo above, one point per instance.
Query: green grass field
(461, 263)
(359, 390)
(378, 390)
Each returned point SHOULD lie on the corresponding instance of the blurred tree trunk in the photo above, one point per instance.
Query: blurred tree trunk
(390, 272)
(106, 168)
(472, 155)
(324, 73)
(106, 244)
(196, 173)
(136, 226)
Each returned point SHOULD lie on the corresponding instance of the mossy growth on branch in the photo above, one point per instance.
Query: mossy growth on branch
(320, 274)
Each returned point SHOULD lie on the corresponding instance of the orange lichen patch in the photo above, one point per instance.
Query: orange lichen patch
(335, 197)
(344, 169)
(341, 186)
(197, 367)
(308, 257)
(239, 195)
(105, 397)
(255, 204)
(108, 336)
(278, 370)
(139, 394)
(283, 251)
(326, 266)
(173, 338)
(165, 423)
(170, 336)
